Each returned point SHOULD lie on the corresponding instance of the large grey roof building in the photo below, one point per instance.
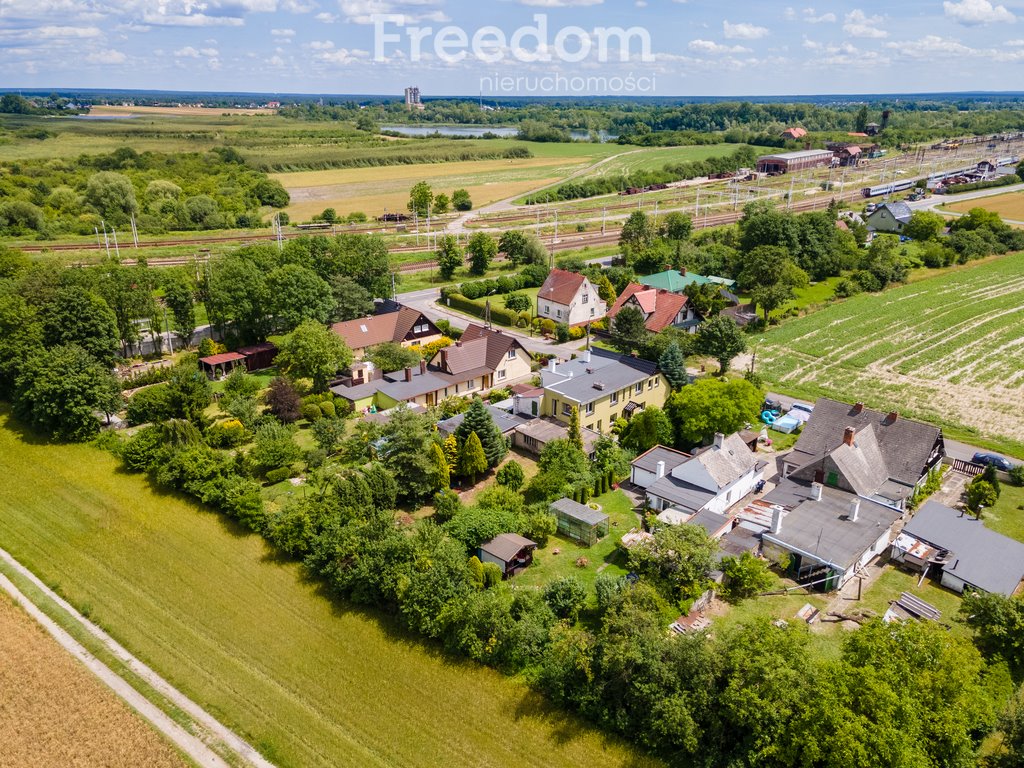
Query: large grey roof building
(963, 549)
(880, 456)
(592, 376)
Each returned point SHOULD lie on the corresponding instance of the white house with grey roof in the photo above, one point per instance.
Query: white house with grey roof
(828, 534)
(960, 550)
(713, 479)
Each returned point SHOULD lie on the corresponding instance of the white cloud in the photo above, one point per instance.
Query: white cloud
(971, 12)
(320, 45)
(743, 31)
(711, 47)
(191, 20)
(559, 3)
(811, 17)
(108, 56)
(283, 32)
(56, 33)
(342, 56)
(857, 24)
(326, 18)
(363, 11)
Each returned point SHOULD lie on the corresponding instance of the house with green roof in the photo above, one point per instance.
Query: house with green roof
(676, 282)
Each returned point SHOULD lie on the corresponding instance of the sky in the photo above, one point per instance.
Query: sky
(514, 47)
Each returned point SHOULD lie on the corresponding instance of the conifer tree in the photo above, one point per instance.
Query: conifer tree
(478, 419)
(472, 461)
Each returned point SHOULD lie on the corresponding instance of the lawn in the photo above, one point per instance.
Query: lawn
(945, 350)
(656, 158)
(309, 681)
(1009, 206)
(55, 712)
(1007, 516)
(894, 582)
(603, 557)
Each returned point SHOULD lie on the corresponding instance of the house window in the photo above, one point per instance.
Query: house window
(639, 387)
(586, 298)
(615, 398)
(534, 407)
(592, 312)
(554, 407)
(547, 309)
(657, 383)
(471, 384)
(566, 409)
(598, 425)
(650, 384)
(590, 409)
(613, 417)
(590, 427)
(501, 374)
(421, 328)
(512, 354)
(558, 314)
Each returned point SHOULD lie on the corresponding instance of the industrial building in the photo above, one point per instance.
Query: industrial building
(788, 162)
(412, 99)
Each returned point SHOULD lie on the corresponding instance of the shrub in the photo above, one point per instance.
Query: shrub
(1017, 475)
(225, 434)
(328, 410)
(277, 475)
(547, 326)
(446, 505)
(311, 412)
(561, 333)
(576, 333)
(150, 404)
(511, 476)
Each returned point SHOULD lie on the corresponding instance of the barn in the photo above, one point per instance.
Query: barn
(789, 162)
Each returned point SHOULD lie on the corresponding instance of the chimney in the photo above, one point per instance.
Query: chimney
(683, 271)
(816, 491)
(893, 415)
(776, 520)
(849, 435)
(458, 343)
(854, 510)
(659, 469)
(423, 367)
(444, 359)
(857, 408)
(553, 365)
(408, 374)
(586, 356)
(719, 439)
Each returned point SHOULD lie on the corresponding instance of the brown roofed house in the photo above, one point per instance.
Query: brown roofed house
(498, 358)
(660, 308)
(408, 327)
(569, 297)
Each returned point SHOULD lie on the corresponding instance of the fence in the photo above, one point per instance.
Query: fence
(968, 468)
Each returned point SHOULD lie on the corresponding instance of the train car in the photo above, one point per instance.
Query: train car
(888, 189)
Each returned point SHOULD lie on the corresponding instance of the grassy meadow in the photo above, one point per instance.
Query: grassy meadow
(308, 681)
(1009, 206)
(946, 350)
(55, 712)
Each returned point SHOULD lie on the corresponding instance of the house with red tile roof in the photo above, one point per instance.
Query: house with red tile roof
(570, 298)
(406, 326)
(661, 309)
(794, 133)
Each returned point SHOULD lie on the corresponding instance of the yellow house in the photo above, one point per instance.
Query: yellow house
(604, 387)
(406, 326)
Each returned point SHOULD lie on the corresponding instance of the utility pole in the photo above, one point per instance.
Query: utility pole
(556, 228)
(106, 240)
(135, 233)
(117, 251)
(167, 325)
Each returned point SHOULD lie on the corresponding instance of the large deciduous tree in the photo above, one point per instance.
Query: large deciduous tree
(721, 339)
(421, 197)
(351, 300)
(647, 429)
(449, 256)
(482, 249)
(298, 294)
(79, 316)
(708, 406)
(61, 390)
(313, 352)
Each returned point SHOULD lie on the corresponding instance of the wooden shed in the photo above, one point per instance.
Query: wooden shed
(259, 356)
(579, 522)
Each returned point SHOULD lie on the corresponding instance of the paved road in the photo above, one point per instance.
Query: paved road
(932, 203)
(425, 301)
(196, 747)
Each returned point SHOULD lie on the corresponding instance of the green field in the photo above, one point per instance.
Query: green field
(947, 350)
(656, 158)
(308, 681)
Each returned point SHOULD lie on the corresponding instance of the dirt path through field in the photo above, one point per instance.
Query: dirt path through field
(196, 748)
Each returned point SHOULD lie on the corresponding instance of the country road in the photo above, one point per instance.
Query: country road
(196, 747)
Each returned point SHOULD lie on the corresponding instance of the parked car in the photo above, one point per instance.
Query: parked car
(996, 461)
